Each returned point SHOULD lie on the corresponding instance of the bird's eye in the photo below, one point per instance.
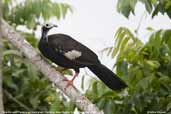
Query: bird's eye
(47, 25)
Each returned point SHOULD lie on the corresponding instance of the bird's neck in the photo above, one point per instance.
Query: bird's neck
(44, 36)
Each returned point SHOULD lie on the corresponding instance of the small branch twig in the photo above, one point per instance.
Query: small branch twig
(139, 24)
(15, 100)
(17, 40)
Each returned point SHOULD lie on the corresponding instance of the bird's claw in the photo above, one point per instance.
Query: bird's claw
(69, 83)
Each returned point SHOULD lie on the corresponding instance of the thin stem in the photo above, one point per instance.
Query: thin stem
(16, 101)
(139, 24)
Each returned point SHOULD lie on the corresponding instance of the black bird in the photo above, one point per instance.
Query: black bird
(70, 54)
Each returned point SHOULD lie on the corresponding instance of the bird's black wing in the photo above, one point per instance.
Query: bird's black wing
(64, 44)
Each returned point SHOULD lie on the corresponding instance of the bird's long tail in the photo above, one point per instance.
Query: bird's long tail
(108, 77)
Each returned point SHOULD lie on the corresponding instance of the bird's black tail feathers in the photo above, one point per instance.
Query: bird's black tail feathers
(108, 77)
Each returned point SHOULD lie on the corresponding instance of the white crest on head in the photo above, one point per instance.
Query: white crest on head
(73, 54)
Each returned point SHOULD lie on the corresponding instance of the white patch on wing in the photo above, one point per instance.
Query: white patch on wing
(73, 54)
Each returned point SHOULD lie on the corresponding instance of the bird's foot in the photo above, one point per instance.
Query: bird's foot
(70, 82)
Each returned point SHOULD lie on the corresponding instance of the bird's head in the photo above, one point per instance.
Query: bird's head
(46, 27)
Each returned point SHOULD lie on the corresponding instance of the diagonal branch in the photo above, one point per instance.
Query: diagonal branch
(17, 40)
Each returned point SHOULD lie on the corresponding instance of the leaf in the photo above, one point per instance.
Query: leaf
(29, 12)
(34, 101)
(101, 103)
(57, 10)
(65, 8)
(148, 5)
(123, 37)
(108, 108)
(122, 68)
(126, 7)
(115, 51)
(169, 107)
(153, 64)
(12, 52)
(124, 43)
(120, 34)
(152, 6)
(150, 29)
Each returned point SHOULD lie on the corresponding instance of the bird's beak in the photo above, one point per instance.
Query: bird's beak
(55, 26)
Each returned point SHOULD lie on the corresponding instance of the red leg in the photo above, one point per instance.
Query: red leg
(70, 82)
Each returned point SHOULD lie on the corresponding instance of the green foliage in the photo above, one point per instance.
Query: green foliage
(152, 6)
(146, 68)
(25, 88)
(29, 12)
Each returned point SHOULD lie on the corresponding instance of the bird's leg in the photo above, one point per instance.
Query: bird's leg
(70, 82)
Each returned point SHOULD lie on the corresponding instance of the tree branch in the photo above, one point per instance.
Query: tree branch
(1, 46)
(17, 40)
